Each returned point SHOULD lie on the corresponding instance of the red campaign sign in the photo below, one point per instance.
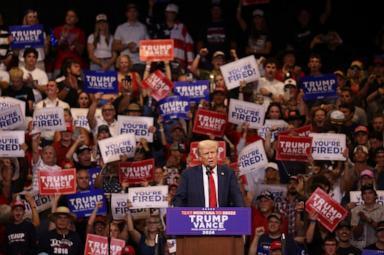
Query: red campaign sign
(254, 2)
(159, 85)
(117, 246)
(302, 131)
(136, 172)
(330, 212)
(57, 182)
(156, 50)
(209, 122)
(194, 157)
(293, 148)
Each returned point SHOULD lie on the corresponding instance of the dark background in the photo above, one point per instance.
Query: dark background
(356, 21)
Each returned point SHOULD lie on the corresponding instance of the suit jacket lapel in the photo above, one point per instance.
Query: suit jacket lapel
(200, 185)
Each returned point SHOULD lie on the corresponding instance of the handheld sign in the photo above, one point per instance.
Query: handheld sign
(100, 81)
(136, 172)
(252, 158)
(11, 118)
(174, 107)
(275, 126)
(194, 90)
(10, 143)
(372, 252)
(293, 148)
(301, 131)
(194, 157)
(208, 221)
(48, 119)
(42, 203)
(119, 206)
(57, 182)
(6, 102)
(98, 245)
(156, 50)
(149, 197)
(209, 122)
(330, 213)
(159, 85)
(322, 87)
(241, 112)
(326, 146)
(244, 69)
(116, 246)
(27, 36)
(79, 116)
(112, 148)
(137, 125)
(83, 203)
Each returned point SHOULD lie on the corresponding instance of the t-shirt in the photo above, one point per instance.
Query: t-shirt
(57, 244)
(24, 94)
(21, 238)
(373, 247)
(265, 241)
(102, 49)
(351, 250)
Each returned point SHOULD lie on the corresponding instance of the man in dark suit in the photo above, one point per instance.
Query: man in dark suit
(210, 184)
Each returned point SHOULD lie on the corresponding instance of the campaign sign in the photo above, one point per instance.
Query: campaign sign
(116, 246)
(156, 50)
(140, 213)
(100, 81)
(136, 172)
(11, 118)
(194, 156)
(98, 245)
(244, 112)
(219, 221)
(57, 182)
(321, 87)
(252, 158)
(279, 194)
(137, 125)
(83, 203)
(6, 102)
(355, 197)
(209, 122)
(293, 148)
(274, 126)
(159, 85)
(42, 203)
(79, 116)
(27, 36)
(372, 252)
(48, 119)
(174, 107)
(244, 69)
(10, 143)
(149, 197)
(330, 212)
(112, 148)
(194, 90)
(119, 206)
(326, 146)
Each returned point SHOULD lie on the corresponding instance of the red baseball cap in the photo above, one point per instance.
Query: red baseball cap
(361, 128)
(16, 203)
(128, 250)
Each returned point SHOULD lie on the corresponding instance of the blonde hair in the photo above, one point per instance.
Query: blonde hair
(16, 72)
(207, 144)
(123, 56)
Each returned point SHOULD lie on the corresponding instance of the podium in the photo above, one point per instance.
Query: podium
(208, 245)
(207, 231)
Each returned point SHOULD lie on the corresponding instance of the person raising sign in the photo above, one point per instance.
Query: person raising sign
(210, 184)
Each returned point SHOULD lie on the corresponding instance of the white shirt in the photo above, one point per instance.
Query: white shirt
(37, 75)
(276, 87)
(102, 49)
(113, 127)
(206, 185)
(131, 32)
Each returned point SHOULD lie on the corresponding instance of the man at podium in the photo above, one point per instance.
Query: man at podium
(209, 184)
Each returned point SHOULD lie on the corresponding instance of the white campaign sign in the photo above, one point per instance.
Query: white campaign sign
(49, 119)
(119, 206)
(244, 112)
(79, 116)
(252, 158)
(10, 143)
(6, 102)
(149, 197)
(326, 146)
(277, 125)
(139, 126)
(11, 118)
(244, 69)
(112, 148)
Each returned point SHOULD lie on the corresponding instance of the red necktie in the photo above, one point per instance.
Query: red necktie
(212, 191)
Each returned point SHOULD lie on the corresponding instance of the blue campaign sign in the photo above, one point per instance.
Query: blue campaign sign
(174, 107)
(321, 87)
(27, 36)
(99, 81)
(372, 252)
(82, 203)
(209, 221)
(194, 90)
